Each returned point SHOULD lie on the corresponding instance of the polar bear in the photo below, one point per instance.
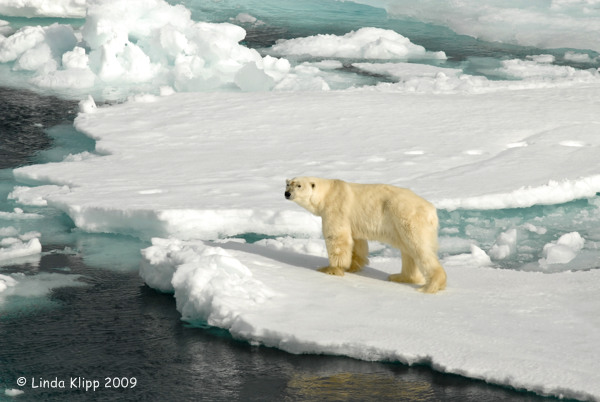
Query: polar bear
(353, 213)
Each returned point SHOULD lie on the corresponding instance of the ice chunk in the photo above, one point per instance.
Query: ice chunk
(17, 248)
(18, 43)
(562, 251)
(8, 231)
(13, 392)
(580, 57)
(76, 58)
(505, 246)
(477, 257)
(33, 47)
(534, 229)
(87, 105)
(6, 281)
(18, 290)
(252, 78)
(245, 18)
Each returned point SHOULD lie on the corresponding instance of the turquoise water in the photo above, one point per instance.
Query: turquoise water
(101, 320)
(291, 19)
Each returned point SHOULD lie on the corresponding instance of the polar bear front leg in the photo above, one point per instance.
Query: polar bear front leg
(339, 249)
(360, 255)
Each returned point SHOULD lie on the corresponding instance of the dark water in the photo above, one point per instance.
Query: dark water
(116, 327)
(23, 118)
(125, 341)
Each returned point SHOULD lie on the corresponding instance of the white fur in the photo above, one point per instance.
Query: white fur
(353, 213)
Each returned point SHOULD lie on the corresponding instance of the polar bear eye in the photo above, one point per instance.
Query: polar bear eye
(299, 186)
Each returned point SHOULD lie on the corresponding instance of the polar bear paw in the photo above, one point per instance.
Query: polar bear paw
(332, 270)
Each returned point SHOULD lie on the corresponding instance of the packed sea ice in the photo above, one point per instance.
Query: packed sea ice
(194, 172)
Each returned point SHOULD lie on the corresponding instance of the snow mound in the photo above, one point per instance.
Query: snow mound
(364, 43)
(208, 282)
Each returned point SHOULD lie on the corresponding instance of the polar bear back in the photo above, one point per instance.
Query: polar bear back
(377, 211)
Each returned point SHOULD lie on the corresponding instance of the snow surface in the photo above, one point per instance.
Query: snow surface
(193, 169)
(196, 177)
(543, 24)
(527, 330)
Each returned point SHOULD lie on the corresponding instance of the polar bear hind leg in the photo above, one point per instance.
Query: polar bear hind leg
(418, 245)
(435, 274)
(410, 271)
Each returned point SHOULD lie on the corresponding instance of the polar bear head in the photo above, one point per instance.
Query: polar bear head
(304, 191)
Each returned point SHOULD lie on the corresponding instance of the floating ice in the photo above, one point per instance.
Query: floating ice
(364, 43)
(544, 24)
(580, 58)
(6, 281)
(269, 137)
(276, 298)
(18, 214)
(208, 282)
(537, 72)
(18, 288)
(141, 42)
(34, 196)
(13, 392)
(35, 47)
(251, 290)
(563, 250)
(43, 8)
(12, 248)
(543, 69)
(505, 245)
(8, 231)
(245, 18)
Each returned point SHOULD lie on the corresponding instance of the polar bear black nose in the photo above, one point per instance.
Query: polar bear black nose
(287, 195)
